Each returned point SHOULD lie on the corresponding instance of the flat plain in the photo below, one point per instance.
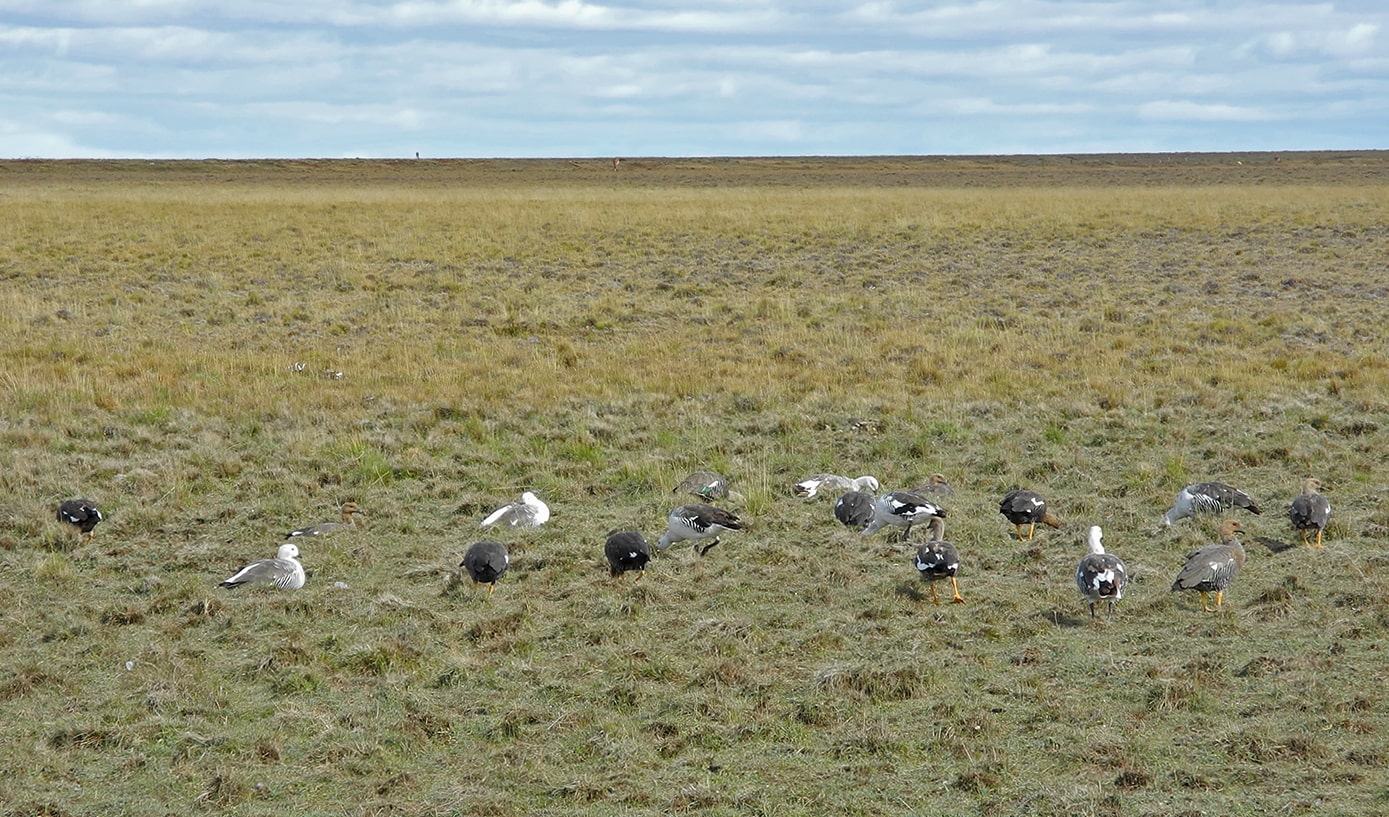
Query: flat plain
(218, 352)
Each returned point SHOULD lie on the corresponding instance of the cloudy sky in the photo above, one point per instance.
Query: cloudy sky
(576, 78)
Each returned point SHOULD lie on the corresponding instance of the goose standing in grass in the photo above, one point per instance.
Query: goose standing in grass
(832, 484)
(81, 514)
(855, 509)
(901, 509)
(707, 485)
(1207, 497)
(1022, 507)
(626, 550)
(284, 571)
(485, 562)
(529, 512)
(937, 559)
(351, 514)
(936, 485)
(1212, 568)
(1101, 576)
(697, 522)
(1310, 511)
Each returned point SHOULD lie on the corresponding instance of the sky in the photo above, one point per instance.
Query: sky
(193, 79)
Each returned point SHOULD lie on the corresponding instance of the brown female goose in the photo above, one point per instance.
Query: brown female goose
(352, 516)
(1212, 568)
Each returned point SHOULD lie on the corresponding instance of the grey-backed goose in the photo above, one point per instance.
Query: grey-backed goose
(697, 522)
(1207, 497)
(284, 571)
(901, 509)
(1100, 576)
(529, 512)
(832, 484)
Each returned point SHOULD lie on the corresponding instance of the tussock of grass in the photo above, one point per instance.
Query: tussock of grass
(1101, 329)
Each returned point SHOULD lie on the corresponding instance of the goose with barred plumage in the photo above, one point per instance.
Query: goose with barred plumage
(698, 522)
(832, 484)
(1100, 576)
(901, 509)
(1212, 568)
(1207, 497)
(283, 571)
(707, 485)
(530, 512)
(1310, 511)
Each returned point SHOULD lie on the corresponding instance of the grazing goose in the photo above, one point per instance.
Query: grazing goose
(1026, 508)
(706, 485)
(485, 562)
(1207, 497)
(82, 514)
(901, 509)
(351, 514)
(937, 559)
(529, 512)
(832, 484)
(1101, 576)
(1212, 568)
(855, 509)
(936, 486)
(698, 522)
(626, 550)
(1310, 511)
(284, 571)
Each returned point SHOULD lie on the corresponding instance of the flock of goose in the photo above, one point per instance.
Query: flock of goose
(1100, 577)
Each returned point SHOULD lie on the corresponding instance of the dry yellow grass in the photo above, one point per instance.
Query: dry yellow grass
(1102, 329)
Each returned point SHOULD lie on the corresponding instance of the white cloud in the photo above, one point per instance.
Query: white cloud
(335, 77)
(23, 141)
(1176, 109)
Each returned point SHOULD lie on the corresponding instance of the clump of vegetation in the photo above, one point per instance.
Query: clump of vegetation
(221, 352)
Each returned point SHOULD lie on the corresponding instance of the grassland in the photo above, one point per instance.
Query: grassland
(1101, 329)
